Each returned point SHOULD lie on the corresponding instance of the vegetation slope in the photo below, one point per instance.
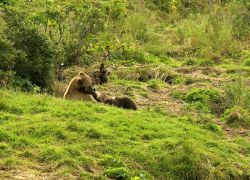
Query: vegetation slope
(44, 137)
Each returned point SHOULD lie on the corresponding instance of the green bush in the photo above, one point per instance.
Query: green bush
(110, 161)
(247, 62)
(201, 95)
(204, 100)
(130, 54)
(26, 52)
(213, 127)
(8, 53)
(156, 84)
(121, 173)
(163, 5)
(22, 84)
(240, 20)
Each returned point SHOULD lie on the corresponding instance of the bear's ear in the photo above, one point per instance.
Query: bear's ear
(82, 73)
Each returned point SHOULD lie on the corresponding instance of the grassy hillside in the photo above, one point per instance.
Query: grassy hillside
(48, 137)
(185, 63)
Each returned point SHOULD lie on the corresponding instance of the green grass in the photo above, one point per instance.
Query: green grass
(39, 133)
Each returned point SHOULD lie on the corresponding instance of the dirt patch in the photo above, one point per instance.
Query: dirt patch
(232, 132)
(203, 70)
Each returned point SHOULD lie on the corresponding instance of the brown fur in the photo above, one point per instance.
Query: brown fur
(80, 88)
(101, 76)
(123, 102)
(100, 97)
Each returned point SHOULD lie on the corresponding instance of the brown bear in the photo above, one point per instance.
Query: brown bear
(80, 88)
(100, 96)
(123, 102)
(101, 76)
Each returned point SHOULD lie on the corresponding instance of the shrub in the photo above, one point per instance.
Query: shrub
(247, 62)
(130, 54)
(110, 161)
(213, 127)
(206, 100)
(22, 84)
(156, 84)
(201, 95)
(50, 154)
(8, 53)
(163, 5)
(121, 173)
(29, 52)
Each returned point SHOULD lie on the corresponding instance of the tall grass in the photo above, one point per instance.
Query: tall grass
(238, 94)
(238, 103)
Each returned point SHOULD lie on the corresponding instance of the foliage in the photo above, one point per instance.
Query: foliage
(240, 20)
(237, 116)
(201, 95)
(7, 53)
(156, 84)
(117, 173)
(45, 34)
(63, 32)
(247, 62)
(131, 54)
(204, 100)
(238, 94)
(237, 101)
(27, 52)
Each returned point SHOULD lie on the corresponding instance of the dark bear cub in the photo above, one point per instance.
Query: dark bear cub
(123, 102)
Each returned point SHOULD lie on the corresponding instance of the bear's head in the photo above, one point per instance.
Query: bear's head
(84, 83)
(109, 101)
